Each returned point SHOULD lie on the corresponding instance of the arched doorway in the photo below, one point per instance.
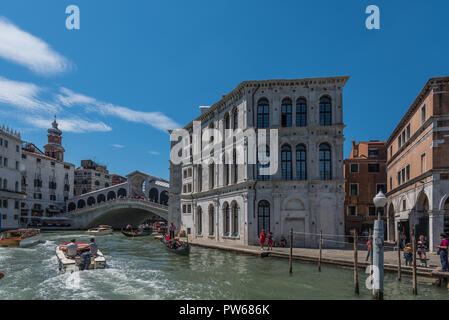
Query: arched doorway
(422, 216)
(263, 216)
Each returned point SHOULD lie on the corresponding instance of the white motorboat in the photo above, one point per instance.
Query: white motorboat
(74, 264)
(101, 230)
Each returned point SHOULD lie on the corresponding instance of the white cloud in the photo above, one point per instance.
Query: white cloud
(154, 153)
(24, 96)
(73, 124)
(120, 146)
(20, 47)
(155, 119)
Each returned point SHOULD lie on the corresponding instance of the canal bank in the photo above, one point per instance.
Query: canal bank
(338, 257)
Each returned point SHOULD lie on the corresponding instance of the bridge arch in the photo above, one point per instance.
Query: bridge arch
(81, 204)
(111, 195)
(164, 198)
(101, 198)
(71, 206)
(121, 192)
(153, 195)
(90, 201)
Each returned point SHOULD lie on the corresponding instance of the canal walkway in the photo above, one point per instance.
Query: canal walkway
(340, 257)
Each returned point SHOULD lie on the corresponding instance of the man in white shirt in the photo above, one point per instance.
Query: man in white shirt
(72, 249)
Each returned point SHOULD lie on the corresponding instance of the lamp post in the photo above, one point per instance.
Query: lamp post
(378, 248)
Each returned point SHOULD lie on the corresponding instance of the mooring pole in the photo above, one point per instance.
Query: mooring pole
(291, 251)
(321, 251)
(399, 259)
(415, 283)
(356, 266)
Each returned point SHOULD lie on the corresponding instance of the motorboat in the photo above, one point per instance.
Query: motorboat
(101, 230)
(72, 264)
(20, 238)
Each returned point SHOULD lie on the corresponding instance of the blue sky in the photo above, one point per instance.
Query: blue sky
(136, 67)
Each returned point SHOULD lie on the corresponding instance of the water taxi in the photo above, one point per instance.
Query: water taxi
(20, 238)
(69, 264)
(101, 230)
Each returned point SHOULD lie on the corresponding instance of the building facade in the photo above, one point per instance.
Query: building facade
(91, 177)
(418, 166)
(225, 197)
(47, 180)
(11, 168)
(365, 175)
(117, 179)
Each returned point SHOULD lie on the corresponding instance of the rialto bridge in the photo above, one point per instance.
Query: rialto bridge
(141, 197)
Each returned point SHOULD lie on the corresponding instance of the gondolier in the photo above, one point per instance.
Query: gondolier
(172, 230)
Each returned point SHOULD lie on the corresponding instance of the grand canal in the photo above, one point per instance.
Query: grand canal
(143, 269)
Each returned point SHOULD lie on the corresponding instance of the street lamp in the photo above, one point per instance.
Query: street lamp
(380, 201)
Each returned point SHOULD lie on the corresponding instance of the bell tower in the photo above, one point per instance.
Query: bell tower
(54, 147)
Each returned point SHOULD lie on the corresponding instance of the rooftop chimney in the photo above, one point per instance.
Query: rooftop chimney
(204, 109)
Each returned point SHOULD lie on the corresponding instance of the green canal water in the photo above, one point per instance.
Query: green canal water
(142, 269)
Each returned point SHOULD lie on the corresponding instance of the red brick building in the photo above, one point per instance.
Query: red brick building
(365, 174)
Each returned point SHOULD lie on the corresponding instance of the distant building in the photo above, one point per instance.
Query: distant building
(418, 166)
(11, 167)
(117, 179)
(91, 177)
(365, 175)
(47, 179)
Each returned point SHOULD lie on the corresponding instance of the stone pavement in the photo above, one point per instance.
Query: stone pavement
(341, 257)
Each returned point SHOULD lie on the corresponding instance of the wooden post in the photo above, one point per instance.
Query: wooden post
(415, 283)
(291, 251)
(356, 266)
(321, 250)
(399, 259)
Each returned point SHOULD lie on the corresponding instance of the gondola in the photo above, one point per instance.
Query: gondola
(138, 233)
(183, 250)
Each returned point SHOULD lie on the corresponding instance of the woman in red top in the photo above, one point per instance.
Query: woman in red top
(262, 239)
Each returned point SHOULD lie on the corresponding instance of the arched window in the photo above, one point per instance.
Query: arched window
(263, 216)
(227, 122)
(226, 220)
(325, 111)
(225, 171)
(301, 112)
(236, 118)
(286, 113)
(301, 162)
(286, 162)
(325, 162)
(263, 113)
(236, 166)
(200, 178)
(263, 164)
(106, 185)
(211, 220)
(211, 176)
(199, 221)
(235, 220)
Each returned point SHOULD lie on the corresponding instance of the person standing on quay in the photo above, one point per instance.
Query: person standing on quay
(443, 252)
(369, 248)
(270, 241)
(262, 239)
(172, 231)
